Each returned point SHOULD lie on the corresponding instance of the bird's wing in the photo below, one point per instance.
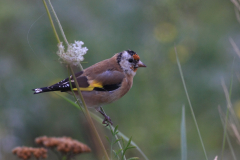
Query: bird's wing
(95, 77)
(105, 81)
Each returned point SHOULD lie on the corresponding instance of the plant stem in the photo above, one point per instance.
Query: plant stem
(191, 108)
(226, 119)
(51, 21)
(61, 29)
(112, 129)
(59, 24)
(89, 117)
(93, 128)
(119, 144)
(183, 136)
(99, 120)
(69, 75)
(227, 137)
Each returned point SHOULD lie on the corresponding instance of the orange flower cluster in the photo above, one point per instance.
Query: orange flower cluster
(26, 152)
(63, 144)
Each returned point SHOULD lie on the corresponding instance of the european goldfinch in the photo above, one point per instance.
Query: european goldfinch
(103, 82)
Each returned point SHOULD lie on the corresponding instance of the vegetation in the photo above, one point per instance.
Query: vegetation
(151, 112)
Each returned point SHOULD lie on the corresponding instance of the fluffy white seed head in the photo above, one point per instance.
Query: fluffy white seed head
(74, 53)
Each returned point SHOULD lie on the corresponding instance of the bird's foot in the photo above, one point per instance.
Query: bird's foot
(107, 120)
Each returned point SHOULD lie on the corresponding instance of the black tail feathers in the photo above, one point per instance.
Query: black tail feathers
(41, 90)
(55, 87)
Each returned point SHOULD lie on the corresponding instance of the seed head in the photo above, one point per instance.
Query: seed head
(25, 153)
(74, 53)
(63, 144)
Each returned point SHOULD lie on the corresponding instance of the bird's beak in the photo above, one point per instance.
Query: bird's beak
(141, 64)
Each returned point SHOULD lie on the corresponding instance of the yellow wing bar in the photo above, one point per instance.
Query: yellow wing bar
(92, 85)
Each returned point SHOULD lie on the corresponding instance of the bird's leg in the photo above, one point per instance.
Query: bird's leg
(107, 119)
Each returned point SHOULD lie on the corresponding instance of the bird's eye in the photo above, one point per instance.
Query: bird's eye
(130, 60)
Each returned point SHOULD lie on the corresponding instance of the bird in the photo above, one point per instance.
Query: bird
(103, 82)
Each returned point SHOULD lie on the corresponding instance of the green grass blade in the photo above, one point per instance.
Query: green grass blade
(183, 136)
(191, 108)
(68, 100)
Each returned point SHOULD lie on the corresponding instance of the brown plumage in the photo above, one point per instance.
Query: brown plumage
(103, 82)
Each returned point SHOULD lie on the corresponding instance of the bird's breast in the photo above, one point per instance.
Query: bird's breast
(99, 98)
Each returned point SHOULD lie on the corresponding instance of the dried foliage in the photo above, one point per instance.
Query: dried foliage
(26, 152)
(63, 144)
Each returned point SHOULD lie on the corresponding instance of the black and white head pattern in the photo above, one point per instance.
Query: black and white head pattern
(127, 62)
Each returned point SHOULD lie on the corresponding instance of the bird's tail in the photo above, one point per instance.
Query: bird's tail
(41, 90)
(55, 87)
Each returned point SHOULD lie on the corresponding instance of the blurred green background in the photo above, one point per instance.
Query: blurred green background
(151, 111)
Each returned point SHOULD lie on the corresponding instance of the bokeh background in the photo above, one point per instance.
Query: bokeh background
(151, 110)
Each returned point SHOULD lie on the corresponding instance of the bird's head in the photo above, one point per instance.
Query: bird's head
(129, 61)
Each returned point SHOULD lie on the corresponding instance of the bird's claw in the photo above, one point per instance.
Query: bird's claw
(107, 120)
